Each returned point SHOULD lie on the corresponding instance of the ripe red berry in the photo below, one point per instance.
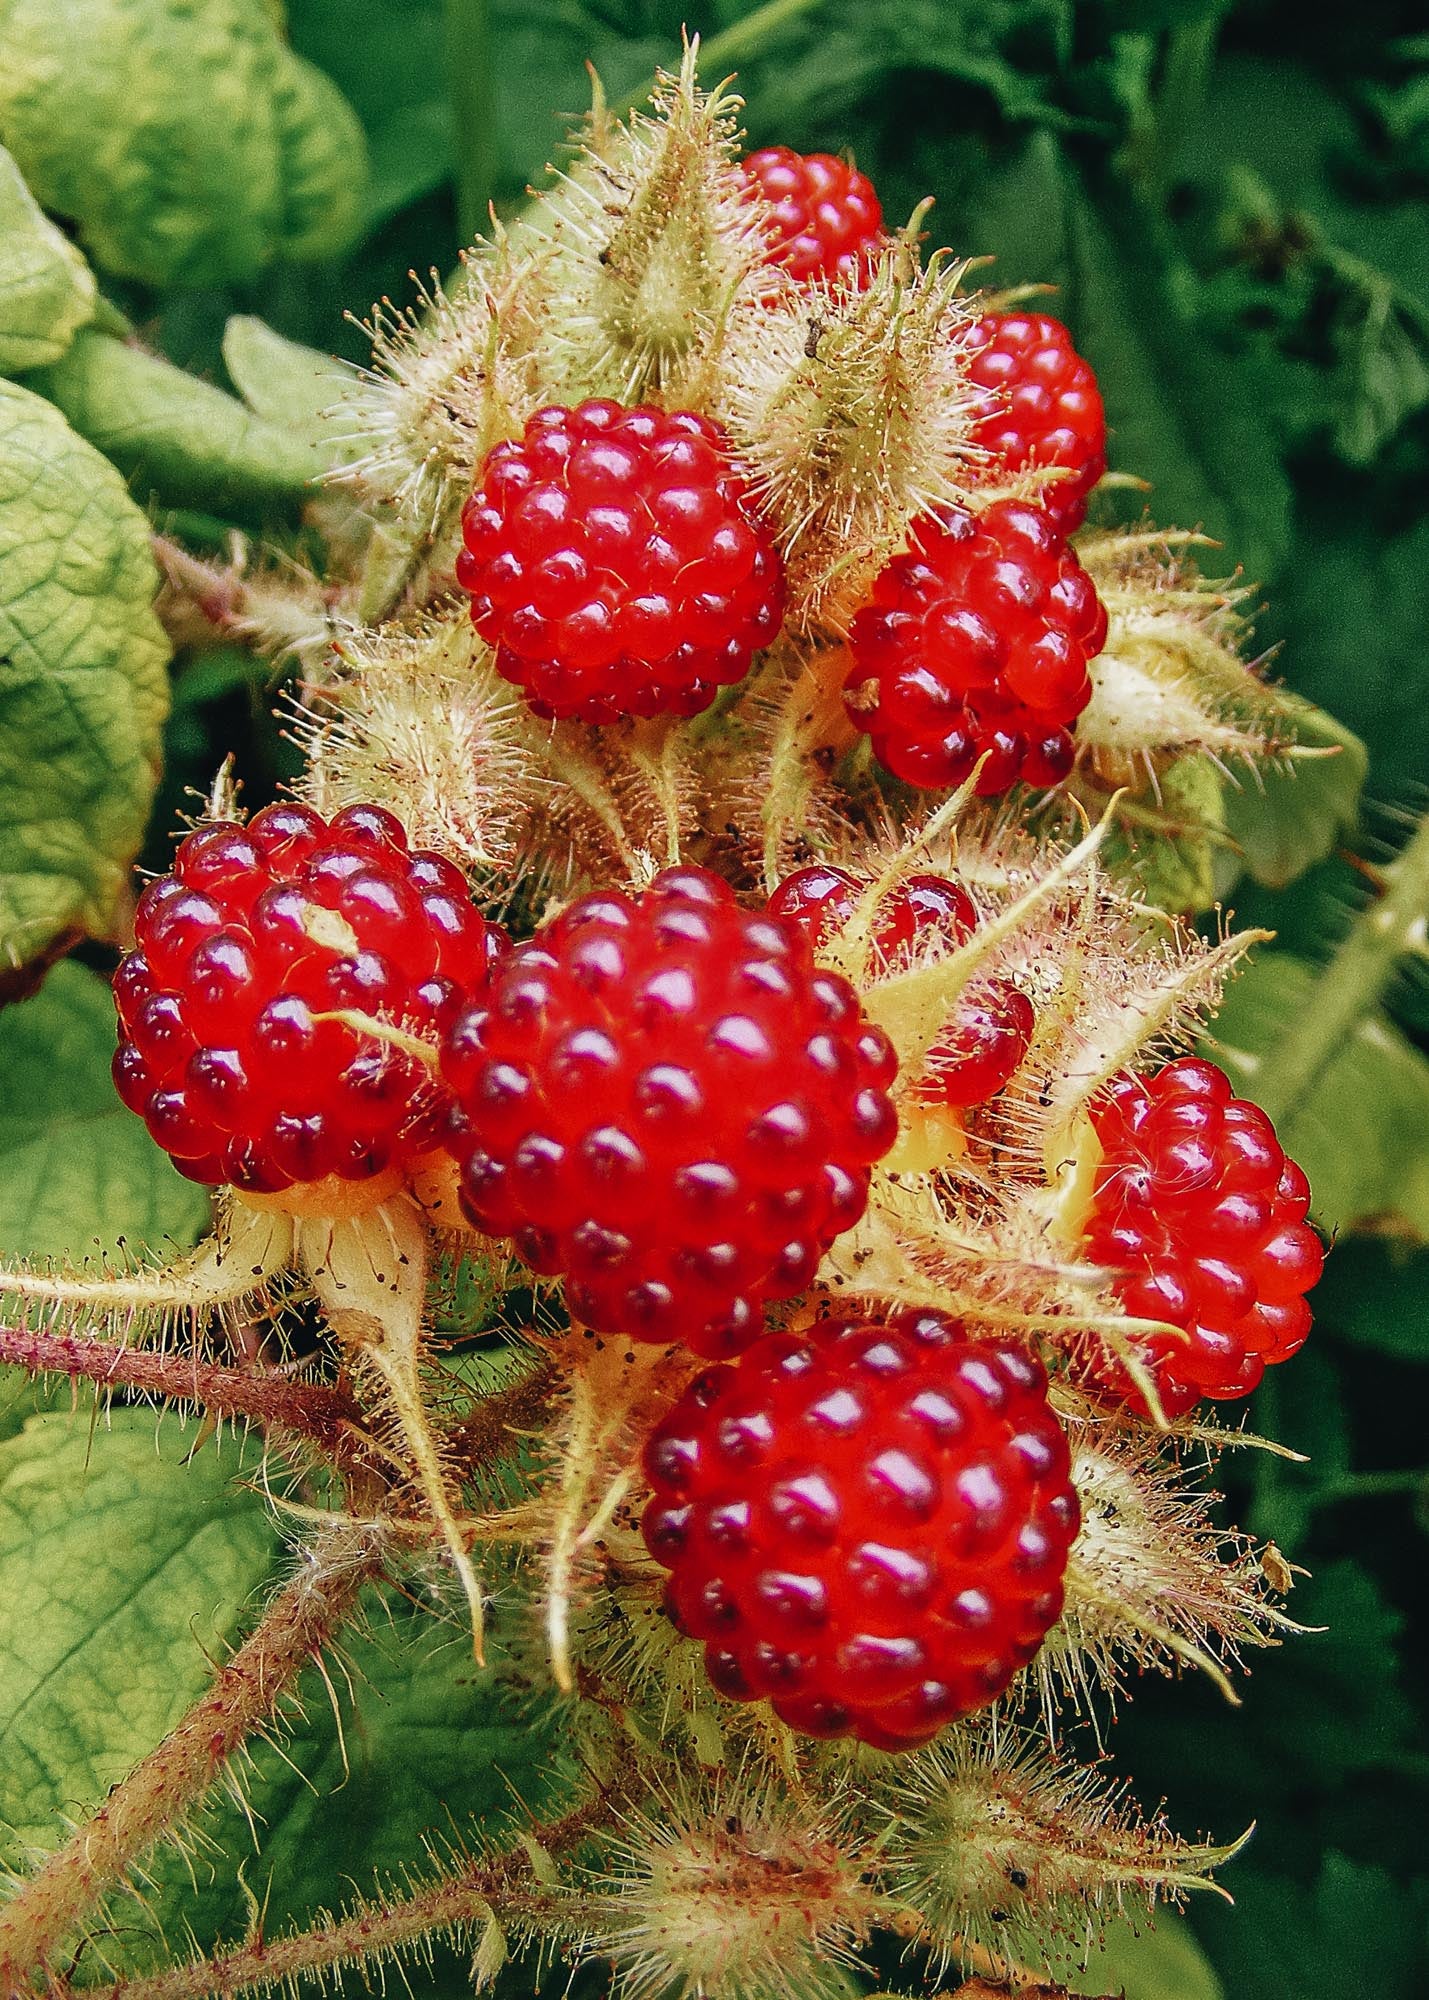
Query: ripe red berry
(992, 1023)
(828, 222)
(867, 1526)
(1040, 406)
(664, 1100)
(259, 929)
(616, 564)
(977, 640)
(1202, 1215)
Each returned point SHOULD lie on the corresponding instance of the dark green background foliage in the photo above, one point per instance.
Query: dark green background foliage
(1231, 199)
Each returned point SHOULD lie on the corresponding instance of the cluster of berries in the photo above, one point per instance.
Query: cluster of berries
(665, 1100)
(618, 564)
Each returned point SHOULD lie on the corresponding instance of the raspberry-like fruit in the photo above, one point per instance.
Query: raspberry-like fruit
(663, 1099)
(1197, 1207)
(258, 931)
(828, 222)
(616, 563)
(977, 640)
(1040, 406)
(867, 1525)
(992, 1021)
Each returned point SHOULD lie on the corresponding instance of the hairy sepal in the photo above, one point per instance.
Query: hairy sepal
(370, 1272)
(995, 1843)
(1171, 680)
(642, 247)
(1154, 1581)
(728, 1886)
(419, 721)
(852, 410)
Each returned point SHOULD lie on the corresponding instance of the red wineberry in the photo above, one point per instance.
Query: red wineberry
(977, 640)
(866, 1525)
(827, 220)
(992, 1022)
(616, 564)
(1202, 1216)
(663, 1100)
(259, 930)
(1040, 406)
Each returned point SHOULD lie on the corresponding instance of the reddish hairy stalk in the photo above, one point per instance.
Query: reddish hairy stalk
(244, 1695)
(326, 1417)
(478, 1894)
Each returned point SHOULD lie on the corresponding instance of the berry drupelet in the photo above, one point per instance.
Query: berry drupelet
(664, 1100)
(616, 564)
(992, 1023)
(827, 220)
(261, 929)
(866, 1525)
(1039, 406)
(1201, 1214)
(977, 641)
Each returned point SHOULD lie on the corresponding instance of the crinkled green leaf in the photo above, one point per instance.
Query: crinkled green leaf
(83, 691)
(174, 435)
(429, 1745)
(1364, 1126)
(285, 383)
(322, 165)
(78, 1172)
(132, 1566)
(1285, 818)
(187, 142)
(46, 288)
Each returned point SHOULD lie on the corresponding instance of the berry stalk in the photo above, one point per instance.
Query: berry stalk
(174, 1778)
(323, 1416)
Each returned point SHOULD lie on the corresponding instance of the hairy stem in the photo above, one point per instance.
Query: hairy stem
(719, 53)
(172, 1779)
(460, 1906)
(1350, 986)
(327, 1417)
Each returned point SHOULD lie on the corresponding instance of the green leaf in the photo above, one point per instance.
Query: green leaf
(1156, 1961)
(47, 290)
(77, 1170)
(1286, 818)
(429, 1745)
(1170, 843)
(132, 1566)
(187, 142)
(322, 165)
(170, 433)
(1179, 416)
(1363, 1135)
(286, 384)
(1355, 1934)
(83, 691)
(389, 64)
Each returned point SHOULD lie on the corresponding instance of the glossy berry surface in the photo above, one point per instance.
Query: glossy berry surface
(1198, 1208)
(992, 1022)
(258, 930)
(616, 565)
(827, 222)
(977, 640)
(663, 1100)
(1040, 406)
(867, 1525)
